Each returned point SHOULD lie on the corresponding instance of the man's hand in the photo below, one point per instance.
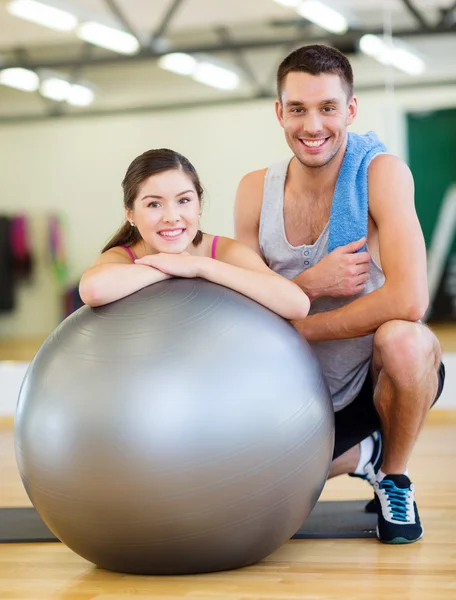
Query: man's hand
(341, 273)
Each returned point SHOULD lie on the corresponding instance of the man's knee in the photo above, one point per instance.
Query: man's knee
(405, 347)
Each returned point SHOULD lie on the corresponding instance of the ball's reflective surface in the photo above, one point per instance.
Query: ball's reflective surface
(182, 429)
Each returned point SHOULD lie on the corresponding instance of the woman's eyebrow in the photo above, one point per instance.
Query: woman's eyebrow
(161, 197)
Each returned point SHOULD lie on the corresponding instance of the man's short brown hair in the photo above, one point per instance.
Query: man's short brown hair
(316, 59)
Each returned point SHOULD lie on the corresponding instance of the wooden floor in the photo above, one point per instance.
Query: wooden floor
(307, 569)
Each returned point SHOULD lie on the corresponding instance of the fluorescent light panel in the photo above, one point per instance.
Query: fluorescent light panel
(216, 76)
(200, 70)
(375, 47)
(61, 90)
(323, 16)
(178, 62)
(80, 95)
(108, 38)
(55, 89)
(42, 14)
(397, 56)
(408, 62)
(20, 79)
(319, 13)
(92, 32)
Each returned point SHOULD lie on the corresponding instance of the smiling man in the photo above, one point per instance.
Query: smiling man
(368, 295)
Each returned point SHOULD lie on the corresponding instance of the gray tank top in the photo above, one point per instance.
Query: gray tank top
(345, 363)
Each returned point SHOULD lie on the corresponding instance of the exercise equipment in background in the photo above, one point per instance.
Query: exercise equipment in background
(183, 429)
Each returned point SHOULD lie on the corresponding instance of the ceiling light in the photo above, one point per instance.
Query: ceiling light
(395, 55)
(408, 62)
(216, 76)
(374, 46)
(80, 95)
(42, 14)
(178, 62)
(20, 79)
(108, 38)
(323, 16)
(55, 89)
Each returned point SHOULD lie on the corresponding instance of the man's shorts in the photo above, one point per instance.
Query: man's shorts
(359, 419)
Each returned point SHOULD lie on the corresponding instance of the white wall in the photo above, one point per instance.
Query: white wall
(75, 167)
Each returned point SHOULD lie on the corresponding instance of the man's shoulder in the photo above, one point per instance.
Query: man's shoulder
(249, 198)
(251, 186)
(254, 178)
(389, 181)
(387, 165)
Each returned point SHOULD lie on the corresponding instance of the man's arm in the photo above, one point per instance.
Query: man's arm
(247, 209)
(404, 294)
(341, 273)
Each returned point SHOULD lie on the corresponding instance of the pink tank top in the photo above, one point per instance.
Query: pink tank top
(132, 256)
(214, 245)
(213, 249)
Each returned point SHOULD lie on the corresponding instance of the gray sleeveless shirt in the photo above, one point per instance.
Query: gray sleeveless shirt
(345, 363)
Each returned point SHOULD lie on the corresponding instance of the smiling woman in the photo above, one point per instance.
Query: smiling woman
(157, 186)
(161, 238)
(165, 210)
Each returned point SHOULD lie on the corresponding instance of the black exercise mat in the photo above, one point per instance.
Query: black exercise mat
(327, 520)
(338, 519)
(23, 525)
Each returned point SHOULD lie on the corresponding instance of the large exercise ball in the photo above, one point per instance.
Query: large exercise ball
(183, 429)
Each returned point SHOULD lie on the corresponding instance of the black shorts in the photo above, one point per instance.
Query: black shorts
(359, 419)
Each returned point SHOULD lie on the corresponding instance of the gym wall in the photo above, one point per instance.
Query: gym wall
(74, 167)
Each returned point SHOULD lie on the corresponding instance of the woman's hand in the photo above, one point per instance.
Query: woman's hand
(178, 265)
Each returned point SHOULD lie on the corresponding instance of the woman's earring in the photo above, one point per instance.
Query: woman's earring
(132, 224)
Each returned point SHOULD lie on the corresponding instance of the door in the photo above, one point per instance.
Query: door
(432, 160)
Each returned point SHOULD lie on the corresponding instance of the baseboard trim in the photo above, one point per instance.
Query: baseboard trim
(6, 422)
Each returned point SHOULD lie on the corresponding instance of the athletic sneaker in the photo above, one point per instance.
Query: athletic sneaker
(398, 520)
(372, 467)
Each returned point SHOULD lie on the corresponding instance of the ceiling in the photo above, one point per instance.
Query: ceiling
(253, 34)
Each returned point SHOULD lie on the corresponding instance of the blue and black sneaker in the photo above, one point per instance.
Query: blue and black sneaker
(398, 520)
(372, 467)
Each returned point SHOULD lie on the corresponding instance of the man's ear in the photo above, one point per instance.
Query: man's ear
(279, 111)
(352, 110)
